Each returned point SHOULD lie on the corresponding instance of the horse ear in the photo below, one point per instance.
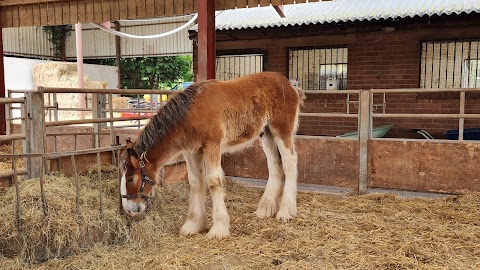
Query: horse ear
(129, 143)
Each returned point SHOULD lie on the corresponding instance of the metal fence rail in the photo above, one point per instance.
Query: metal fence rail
(35, 128)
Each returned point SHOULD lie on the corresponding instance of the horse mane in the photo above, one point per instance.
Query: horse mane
(167, 117)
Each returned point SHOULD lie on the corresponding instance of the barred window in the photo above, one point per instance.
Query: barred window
(319, 68)
(234, 66)
(450, 64)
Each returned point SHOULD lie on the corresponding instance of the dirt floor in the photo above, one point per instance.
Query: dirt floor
(331, 232)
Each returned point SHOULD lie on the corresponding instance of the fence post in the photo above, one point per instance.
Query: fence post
(36, 115)
(97, 112)
(364, 136)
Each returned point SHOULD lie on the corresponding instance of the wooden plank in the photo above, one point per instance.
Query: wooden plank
(150, 8)
(159, 8)
(231, 4)
(36, 14)
(82, 13)
(3, 16)
(300, 1)
(276, 2)
(123, 11)
(195, 6)
(220, 4)
(50, 13)
(106, 10)
(178, 8)
(97, 11)
(188, 7)
(22, 15)
(264, 3)
(66, 13)
(115, 10)
(169, 7)
(43, 14)
(252, 3)
(58, 13)
(288, 2)
(242, 3)
(89, 11)
(132, 10)
(74, 12)
(24, 2)
(141, 9)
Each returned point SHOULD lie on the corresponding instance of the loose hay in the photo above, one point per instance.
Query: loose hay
(355, 232)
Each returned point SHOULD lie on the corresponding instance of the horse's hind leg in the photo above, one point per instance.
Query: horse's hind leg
(268, 205)
(215, 181)
(196, 219)
(288, 204)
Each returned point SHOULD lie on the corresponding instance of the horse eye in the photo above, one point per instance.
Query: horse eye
(130, 179)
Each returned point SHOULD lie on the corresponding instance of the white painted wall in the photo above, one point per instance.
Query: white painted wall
(19, 75)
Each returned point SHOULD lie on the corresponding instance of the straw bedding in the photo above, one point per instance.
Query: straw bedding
(353, 232)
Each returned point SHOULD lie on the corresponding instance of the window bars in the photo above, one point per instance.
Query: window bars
(319, 68)
(234, 66)
(450, 64)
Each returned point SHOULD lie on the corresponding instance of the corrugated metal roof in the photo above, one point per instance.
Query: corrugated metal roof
(340, 11)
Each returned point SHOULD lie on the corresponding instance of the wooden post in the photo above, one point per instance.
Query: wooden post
(118, 53)
(36, 130)
(364, 137)
(3, 120)
(206, 40)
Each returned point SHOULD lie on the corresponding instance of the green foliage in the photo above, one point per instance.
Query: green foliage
(58, 36)
(154, 72)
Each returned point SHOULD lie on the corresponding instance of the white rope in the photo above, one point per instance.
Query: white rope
(121, 34)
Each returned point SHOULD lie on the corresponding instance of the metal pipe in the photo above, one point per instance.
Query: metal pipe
(329, 115)
(77, 186)
(461, 120)
(42, 188)
(12, 100)
(113, 91)
(433, 116)
(17, 190)
(422, 90)
(100, 184)
(79, 48)
(4, 138)
(93, 121)
(51, 156)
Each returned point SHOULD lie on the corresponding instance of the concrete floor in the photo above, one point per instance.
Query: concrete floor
(340, 191)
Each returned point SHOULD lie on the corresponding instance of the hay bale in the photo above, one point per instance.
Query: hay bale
(63, 75)
(120, 102)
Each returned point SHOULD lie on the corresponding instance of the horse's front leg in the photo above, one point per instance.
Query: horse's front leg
(215, 181)
(196, 219)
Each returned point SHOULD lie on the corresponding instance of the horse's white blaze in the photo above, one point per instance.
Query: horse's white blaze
(123, 191)
(128, 205)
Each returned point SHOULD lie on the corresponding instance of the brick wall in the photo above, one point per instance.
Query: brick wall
(380, 55)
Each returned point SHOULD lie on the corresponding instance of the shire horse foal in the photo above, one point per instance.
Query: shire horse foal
(210, 118)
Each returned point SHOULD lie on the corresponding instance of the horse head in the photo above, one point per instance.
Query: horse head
(137, 181)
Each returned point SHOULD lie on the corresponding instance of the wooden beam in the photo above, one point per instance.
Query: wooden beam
(206, 40)
(280, 10)
(3, 124)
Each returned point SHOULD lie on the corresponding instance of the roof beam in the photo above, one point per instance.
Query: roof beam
(280, 10)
